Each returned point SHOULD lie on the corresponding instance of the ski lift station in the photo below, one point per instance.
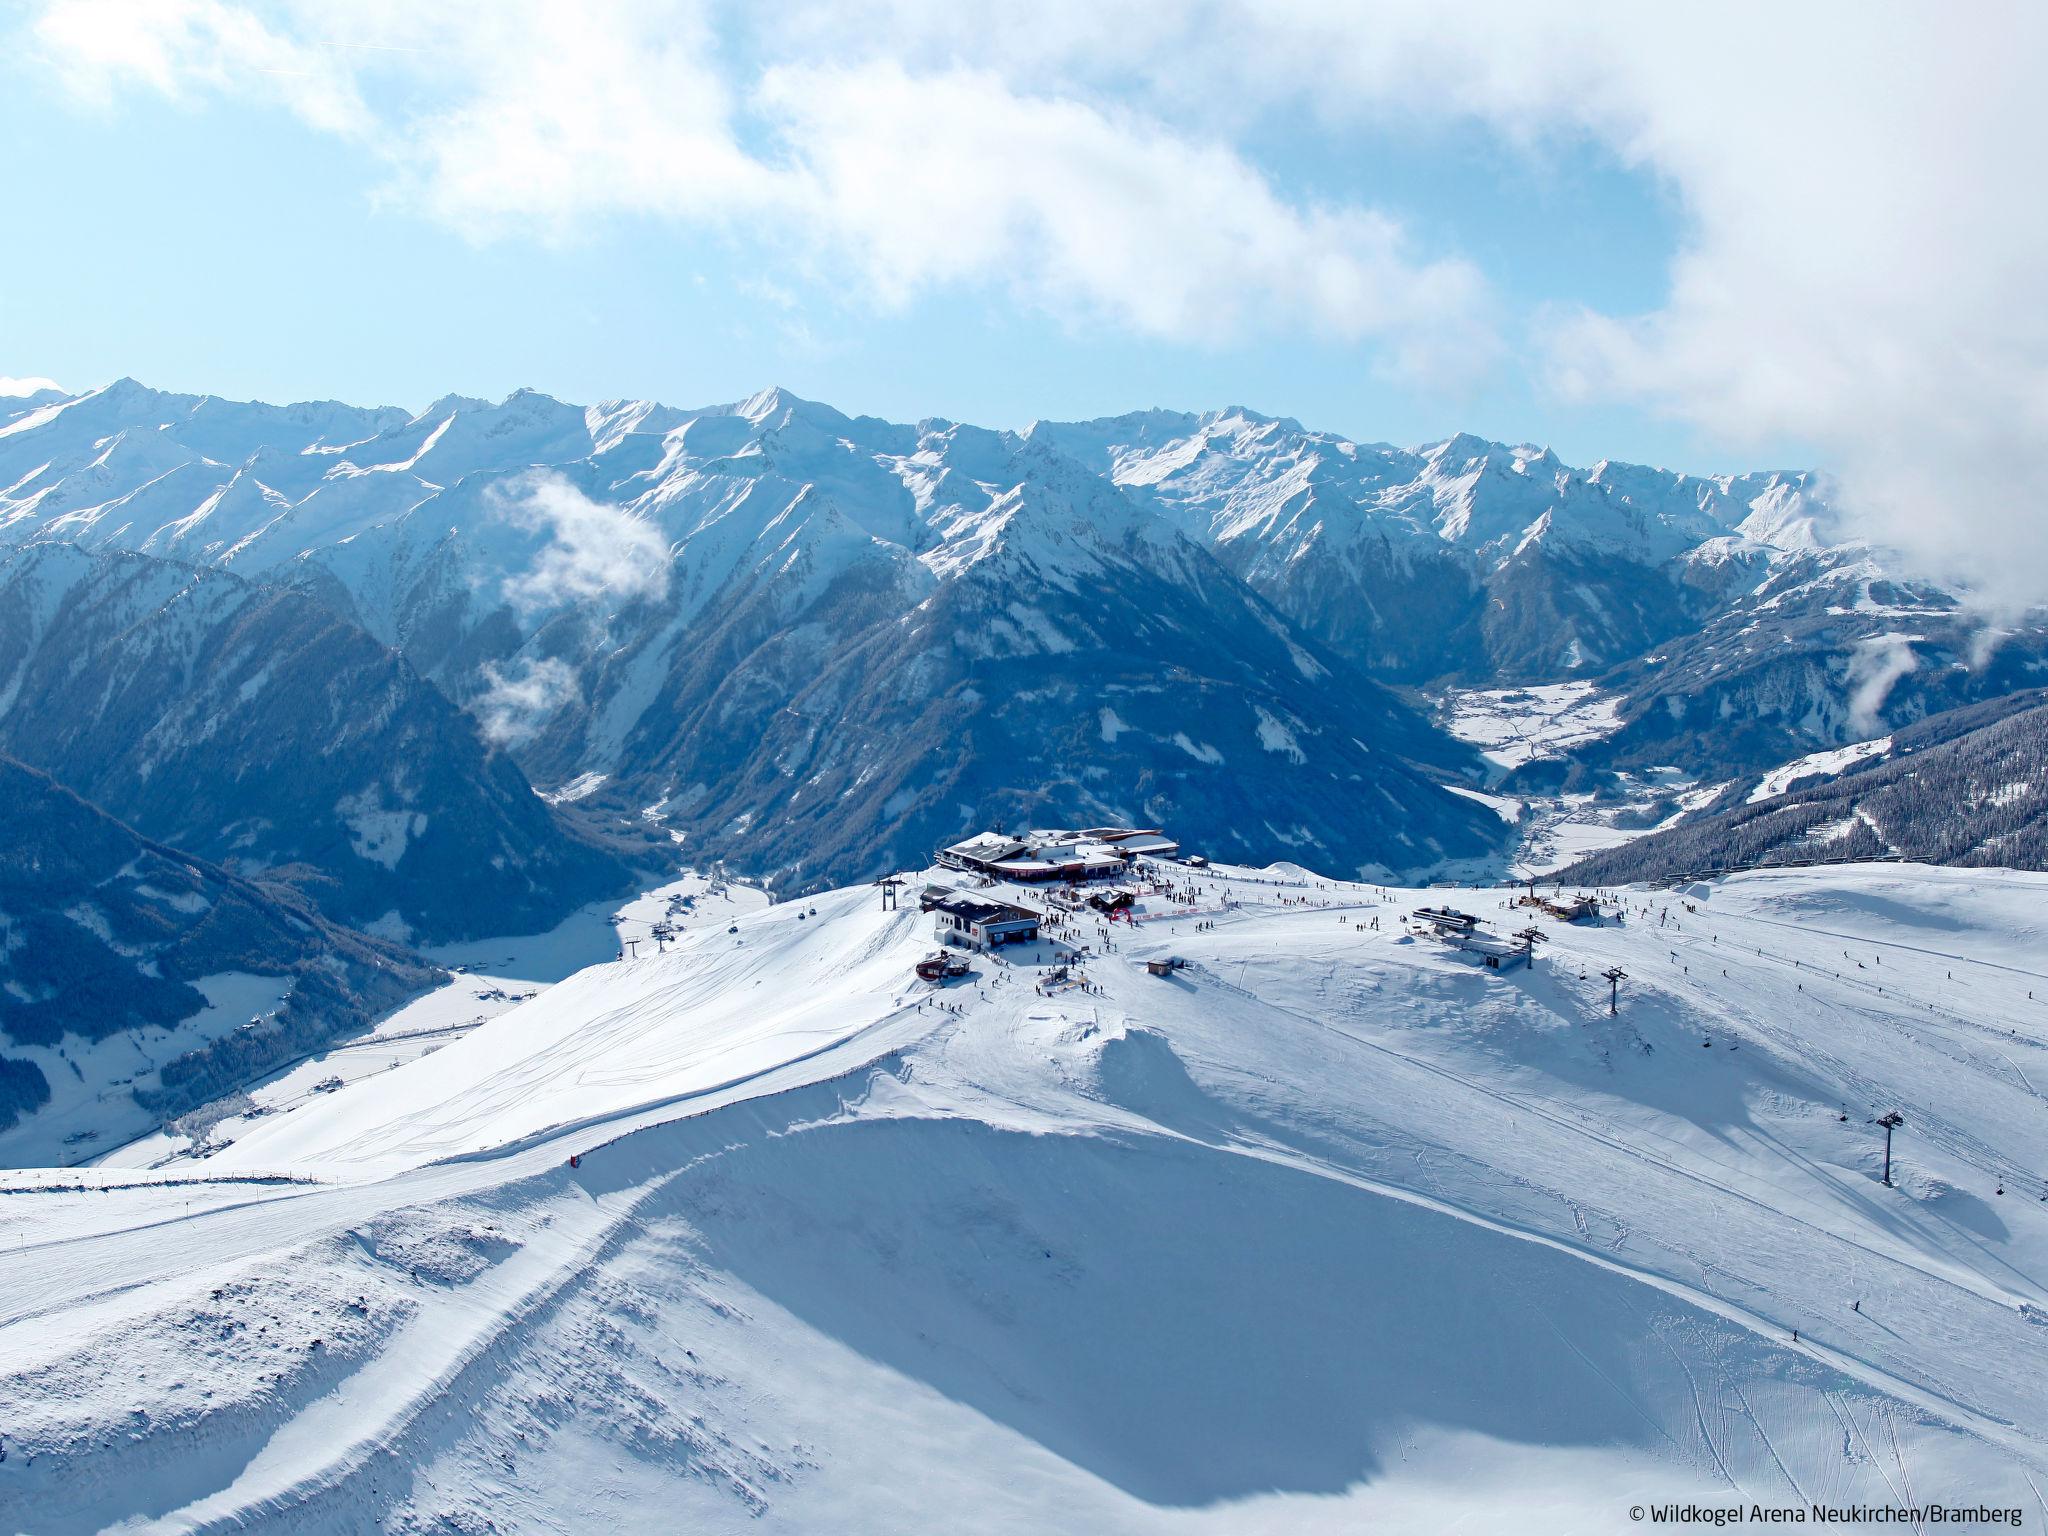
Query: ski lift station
(1445, 920)
(1495, 954)
(981, 924)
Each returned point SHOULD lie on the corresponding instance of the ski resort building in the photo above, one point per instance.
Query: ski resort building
(1574, 909)
(1484, 949)
(983, 924)
(1445, 920)
(1098, 853)
(1570, 909)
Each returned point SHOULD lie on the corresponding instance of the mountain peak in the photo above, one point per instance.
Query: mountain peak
(448, 405)
(776, 406)
(1459, 449)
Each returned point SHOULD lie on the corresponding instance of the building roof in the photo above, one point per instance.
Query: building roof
(1146, 842)
(1445, 917)
(976, 911)
(988, 847)
(1045, 851)
(1487, 944)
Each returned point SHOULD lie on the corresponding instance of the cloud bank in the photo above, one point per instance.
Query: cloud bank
(538, 117)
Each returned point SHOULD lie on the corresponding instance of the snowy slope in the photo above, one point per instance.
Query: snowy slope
(1968, 787)
(1327, 1230)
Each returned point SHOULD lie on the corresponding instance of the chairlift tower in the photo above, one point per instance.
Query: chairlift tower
(1891, 1120)
(888, 884)
(1614, 976)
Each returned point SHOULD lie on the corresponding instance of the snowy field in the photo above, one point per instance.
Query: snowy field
(1515, 726)
(1510, 726)
(1327, 1230)
(1833, 761)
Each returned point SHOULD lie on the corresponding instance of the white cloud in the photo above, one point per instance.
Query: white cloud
(14, 389)
(953, 176)
(185, 48)
(593, 549)
(1877, 664)
(513, 707)
(540, 115)
(1862, 264)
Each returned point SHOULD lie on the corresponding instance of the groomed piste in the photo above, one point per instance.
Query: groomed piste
(1325, 1228)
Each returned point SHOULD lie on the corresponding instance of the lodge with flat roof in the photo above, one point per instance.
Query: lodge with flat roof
(1095, 853)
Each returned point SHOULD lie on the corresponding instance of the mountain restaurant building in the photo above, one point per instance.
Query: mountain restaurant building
(1101, 853)
(984, 924)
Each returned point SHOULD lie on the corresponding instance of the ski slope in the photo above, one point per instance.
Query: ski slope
(1326, 1230)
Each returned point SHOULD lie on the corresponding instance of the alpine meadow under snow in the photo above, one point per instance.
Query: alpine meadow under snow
(472, 1041)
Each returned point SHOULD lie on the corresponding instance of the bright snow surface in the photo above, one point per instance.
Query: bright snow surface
(1328, 1230)
(1780, 779)
(1510, 726)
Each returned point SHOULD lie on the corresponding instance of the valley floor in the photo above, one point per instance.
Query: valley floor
(1512, 727)
(1326, 1229)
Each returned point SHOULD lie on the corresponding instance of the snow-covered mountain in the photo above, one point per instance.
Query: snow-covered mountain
(1728, 614)
(818, 644)
(1329, 1229)
(1463, 558)
(1812, 650)
(815, 643)
(137, 982)
(254, 727)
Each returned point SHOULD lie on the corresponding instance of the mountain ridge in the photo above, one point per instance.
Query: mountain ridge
(610, 589)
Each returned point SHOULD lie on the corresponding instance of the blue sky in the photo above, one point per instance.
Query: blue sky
(1709, 240)
(220, 244)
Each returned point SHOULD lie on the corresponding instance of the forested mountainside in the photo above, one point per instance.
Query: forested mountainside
(1967, 787)
(137, 982)
(253, 726)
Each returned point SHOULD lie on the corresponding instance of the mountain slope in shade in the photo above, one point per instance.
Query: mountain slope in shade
(1966, 787)
(254, 727)
(863, 636)
(1821, 651)
(635, 597)
(1069, 662)
(136, 981)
